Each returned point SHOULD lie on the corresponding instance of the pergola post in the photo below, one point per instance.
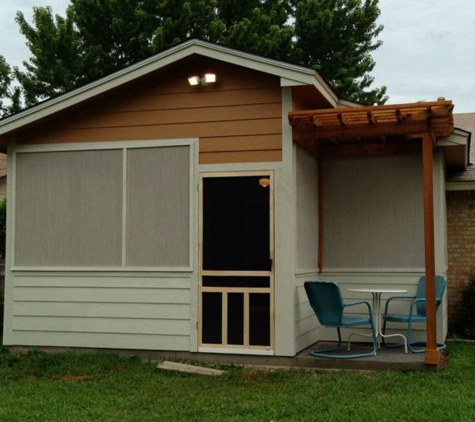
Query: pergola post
(432, 354)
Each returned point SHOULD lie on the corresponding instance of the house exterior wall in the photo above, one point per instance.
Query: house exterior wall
(236, 127)
(461, 247)
(237, 120)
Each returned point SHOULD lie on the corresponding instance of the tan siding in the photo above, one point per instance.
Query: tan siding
(240, 157)
(244, 107)
(167, 101)
(177, 116)
(241, 143)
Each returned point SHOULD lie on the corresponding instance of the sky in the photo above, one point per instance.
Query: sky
(428, 47)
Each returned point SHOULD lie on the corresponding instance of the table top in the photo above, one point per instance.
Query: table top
(378, 290)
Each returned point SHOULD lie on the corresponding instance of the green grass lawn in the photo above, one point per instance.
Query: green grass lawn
(74, 387)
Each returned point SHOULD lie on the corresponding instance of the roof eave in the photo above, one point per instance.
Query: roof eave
(456, 145)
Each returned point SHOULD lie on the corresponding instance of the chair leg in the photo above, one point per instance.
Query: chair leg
(423, 344)
(356, 334)
(324, 353)
(408, 343)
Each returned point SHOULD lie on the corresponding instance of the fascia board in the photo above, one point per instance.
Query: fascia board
(347, 103)
(298, 74)
(456, 138)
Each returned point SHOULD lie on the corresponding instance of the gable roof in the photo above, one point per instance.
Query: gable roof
(290, 75)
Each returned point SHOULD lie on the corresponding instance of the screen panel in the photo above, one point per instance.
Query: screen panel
(68, 211)
(158, 206)
(373, 212)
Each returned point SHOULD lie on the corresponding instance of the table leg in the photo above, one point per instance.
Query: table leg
(377, 316)
(378, 324)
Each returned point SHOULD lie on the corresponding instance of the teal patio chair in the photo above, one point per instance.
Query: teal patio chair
(416, 312)
(327, 303)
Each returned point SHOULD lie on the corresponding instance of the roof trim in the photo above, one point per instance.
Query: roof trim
(290, 75)
(459, 138)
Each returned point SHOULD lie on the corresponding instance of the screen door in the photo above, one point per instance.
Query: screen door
(236, 257)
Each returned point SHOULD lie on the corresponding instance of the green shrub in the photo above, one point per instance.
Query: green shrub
(466, 310)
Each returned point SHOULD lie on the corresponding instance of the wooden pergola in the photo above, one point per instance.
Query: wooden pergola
(380, 131)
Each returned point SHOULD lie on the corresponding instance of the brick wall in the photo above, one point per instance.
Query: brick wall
(461, 245)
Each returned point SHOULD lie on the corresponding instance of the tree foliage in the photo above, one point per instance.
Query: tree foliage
(56, 64)
(97, 37)
(10, 96)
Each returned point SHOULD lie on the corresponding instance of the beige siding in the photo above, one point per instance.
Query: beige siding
(237, 120)
(117, 310)
(307, 211)
(307, 328)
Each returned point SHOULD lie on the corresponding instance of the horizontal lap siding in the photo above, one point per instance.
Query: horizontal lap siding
(102, 311)
(307, 329)
(237, 120)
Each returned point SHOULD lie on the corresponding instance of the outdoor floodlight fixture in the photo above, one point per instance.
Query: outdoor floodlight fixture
(208, 78)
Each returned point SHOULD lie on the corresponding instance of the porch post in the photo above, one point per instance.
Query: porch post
(432, 355)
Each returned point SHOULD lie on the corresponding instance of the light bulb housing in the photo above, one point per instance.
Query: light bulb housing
(208, 78)
(194, 80)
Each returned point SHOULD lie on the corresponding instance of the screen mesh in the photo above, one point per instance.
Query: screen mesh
(69, 208)
(158, 206)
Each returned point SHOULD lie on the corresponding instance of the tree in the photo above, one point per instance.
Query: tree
(10, 96)
(56, 64)
(97, 37)
(337, 37)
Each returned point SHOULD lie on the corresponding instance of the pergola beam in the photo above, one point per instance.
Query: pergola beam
(362, 130)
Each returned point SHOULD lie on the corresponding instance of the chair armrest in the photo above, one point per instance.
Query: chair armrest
(421, 299)
(360, 302)
(388, 301)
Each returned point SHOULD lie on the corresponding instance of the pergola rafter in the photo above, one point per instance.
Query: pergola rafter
(382, 130)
